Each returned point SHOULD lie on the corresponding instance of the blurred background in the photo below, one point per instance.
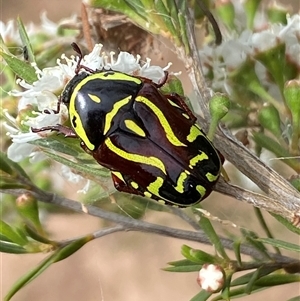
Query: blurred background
(122, 266)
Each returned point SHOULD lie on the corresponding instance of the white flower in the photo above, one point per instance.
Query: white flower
(74, 178)
(211, 278)
(238, 47)
(8, 31)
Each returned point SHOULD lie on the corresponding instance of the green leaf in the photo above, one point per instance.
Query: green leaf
(25, 40)
(197, 256)
(14, 168)
(278, 279)
(58, 255)
(183, 266)
(183, 33)
(251, 238)
(260, 272)
(238, 292)
(8, 247)
(253, 276)
(133, 9)
(13, 235)
(226, 288)
(286, 223)
(213, 236)
(167, 20)
(56, 147)
(4, 164)
(11, 185)
(20, 68)
(202, 296)
(273, 146)
(237, 251)
(280, 244)
(36, 236)
(184, 269)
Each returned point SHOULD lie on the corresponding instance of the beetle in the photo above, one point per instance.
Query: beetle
(150, 141)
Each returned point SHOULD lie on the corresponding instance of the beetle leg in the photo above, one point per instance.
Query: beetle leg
(56, 111)
(123, 187)
(66, 131)
(180, 102)
(149, 81)
(163, 80)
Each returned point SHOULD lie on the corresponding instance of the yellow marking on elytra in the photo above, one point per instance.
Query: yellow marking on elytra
(194, 133)
(198, 158)
(201, 190)
(134, 185)
(153, 161)
(161, 202)
(131, 125)
(118, 175)
(186, 115)
(173, 103)
(154, 186)
(78, 127)
(96, 76)
(94, 98)
(117, 76)
(210, 177)
(162, 119)
(110, 115)
(180, 182)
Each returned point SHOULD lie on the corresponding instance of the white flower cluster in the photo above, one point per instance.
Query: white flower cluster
(234, 51)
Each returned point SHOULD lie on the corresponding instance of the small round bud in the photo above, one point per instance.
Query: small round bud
(211, 278)
(291, 94)
(27, 207)
(219, 106)
(269, 119)
(292, 97)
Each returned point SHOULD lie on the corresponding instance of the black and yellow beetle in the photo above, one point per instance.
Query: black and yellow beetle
(149, 141)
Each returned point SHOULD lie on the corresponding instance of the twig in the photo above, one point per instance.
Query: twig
(130, 224)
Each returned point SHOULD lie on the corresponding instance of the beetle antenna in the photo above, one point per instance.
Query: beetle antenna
(80, 54)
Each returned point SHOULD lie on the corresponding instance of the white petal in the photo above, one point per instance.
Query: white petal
(19, 151)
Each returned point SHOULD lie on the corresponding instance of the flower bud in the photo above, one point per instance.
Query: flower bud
(28, 208)
(292, 98)
(269, 119)
(219, 105)
(211, 278)
(273, 58)
(291, 94)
